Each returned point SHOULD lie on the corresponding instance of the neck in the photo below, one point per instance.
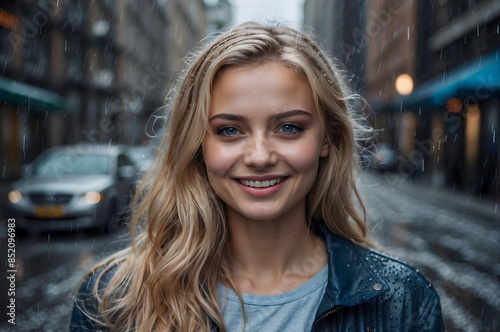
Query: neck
(269, 252)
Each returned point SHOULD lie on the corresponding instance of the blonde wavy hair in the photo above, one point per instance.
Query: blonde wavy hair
(167, 280)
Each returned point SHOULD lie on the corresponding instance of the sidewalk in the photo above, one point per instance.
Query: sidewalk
(487, 208)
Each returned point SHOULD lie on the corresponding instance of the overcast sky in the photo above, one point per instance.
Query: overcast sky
(265, 10)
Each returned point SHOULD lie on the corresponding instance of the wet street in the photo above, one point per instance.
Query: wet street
(48, 270)
(454, 239)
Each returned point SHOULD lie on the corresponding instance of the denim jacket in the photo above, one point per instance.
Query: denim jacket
(366, 291)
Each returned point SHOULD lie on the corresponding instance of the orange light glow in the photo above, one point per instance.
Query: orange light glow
(454, 105)
(404, 84)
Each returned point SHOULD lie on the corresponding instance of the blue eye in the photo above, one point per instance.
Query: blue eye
(289, 128)
(228, 131)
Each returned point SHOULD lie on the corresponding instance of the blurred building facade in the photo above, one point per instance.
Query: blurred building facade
(432, 77)
(338, 24)
(219, 14)
(75, 70)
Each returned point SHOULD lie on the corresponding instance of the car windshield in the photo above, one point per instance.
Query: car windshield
(72, 164)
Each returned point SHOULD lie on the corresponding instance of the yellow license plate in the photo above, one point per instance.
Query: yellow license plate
(49, 211)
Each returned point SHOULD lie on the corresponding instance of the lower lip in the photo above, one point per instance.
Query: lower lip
(261, 191)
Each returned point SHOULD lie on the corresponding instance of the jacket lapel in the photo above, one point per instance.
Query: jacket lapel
(351, 277)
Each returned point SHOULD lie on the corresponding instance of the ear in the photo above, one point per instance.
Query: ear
(324, 148)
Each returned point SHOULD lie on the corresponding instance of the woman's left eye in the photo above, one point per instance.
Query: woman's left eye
(288, 128)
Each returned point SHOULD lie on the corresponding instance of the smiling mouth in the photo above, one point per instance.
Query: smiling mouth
(261, 184)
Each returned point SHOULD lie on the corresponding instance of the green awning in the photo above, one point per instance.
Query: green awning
(35, 98)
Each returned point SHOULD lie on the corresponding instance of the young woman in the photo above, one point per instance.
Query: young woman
(249, 219)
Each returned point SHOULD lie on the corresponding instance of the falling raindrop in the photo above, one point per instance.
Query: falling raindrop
(24, 146)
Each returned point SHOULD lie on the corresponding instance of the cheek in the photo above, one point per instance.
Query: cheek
(303, 157)
(218, 159)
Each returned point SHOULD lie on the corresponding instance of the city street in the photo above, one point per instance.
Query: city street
(454, 240)
(95, 93)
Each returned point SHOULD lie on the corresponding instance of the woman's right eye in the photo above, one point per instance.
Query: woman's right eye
(228, 131)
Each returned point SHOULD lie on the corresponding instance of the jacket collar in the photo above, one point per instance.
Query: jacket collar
(352, 279)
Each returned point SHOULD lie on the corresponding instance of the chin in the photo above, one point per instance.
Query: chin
(262, 214)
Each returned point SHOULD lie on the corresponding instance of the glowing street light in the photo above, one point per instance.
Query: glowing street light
(404, 84)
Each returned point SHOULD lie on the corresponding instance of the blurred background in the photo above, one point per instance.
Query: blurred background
(82, 78)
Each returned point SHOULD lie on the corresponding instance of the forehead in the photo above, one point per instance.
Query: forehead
(261, 91)
(268, 65)
(264, 85)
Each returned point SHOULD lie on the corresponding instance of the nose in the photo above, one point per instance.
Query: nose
(260, 152)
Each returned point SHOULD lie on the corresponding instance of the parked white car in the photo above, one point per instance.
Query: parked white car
(74, 187)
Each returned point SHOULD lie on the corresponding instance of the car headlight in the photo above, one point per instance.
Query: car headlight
(92, 197)
(15, 196)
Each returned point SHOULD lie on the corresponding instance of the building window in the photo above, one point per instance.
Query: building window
(75, 64)
(76, 13)
(36, 54)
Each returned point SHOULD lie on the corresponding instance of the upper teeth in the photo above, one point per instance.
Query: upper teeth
(261, 184)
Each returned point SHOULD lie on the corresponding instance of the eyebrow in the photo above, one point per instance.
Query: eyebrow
(276, 116)
(229, 116)
(288, 114)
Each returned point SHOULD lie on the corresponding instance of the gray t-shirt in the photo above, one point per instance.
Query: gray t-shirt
(290, 311)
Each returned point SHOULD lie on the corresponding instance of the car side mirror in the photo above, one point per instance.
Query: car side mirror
(126, 172)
